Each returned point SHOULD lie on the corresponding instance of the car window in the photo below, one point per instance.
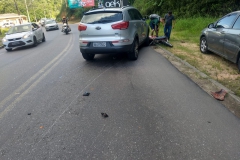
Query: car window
(134, 14)
(50, 22)
(35, 25)
(237, 24)
(19, 29)
(138, 14)
(102, 17)
(227, 21)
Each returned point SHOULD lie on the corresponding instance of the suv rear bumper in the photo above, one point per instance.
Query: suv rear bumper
(105, 50)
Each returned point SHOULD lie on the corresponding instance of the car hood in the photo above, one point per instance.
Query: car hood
(16, 35)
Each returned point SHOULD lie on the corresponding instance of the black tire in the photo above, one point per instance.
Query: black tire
(43, 39)
(9, 49)
(146, 42)
(167, 43)
(133, 53)
(35, 41)
(203, 45)
(238, 63)
(88, 56)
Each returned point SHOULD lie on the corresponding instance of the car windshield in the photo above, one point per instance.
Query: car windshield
(19, 29)
(102, 17)
(50, 22)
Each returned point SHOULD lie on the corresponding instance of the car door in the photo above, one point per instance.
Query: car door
(37, 31)
(136, 20)
(232, 41)
(216, 36)
(143, 26)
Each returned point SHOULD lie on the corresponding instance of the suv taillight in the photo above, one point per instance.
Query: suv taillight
(121, 25)
(82, 27)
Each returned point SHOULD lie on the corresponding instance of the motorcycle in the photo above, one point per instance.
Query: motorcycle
(161, 39)
(66, 28)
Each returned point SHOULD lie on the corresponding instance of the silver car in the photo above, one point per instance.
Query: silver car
(28, 34)
(51, 25)
(111, 31)
(223, 38)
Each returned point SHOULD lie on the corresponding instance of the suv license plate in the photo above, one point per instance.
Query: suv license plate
(99, 44)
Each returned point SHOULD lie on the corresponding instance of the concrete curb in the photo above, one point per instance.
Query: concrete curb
(232, 102)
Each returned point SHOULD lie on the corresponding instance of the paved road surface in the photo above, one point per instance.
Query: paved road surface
(155, 112)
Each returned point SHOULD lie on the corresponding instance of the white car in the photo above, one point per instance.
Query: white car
(23, 35)
(7, 25)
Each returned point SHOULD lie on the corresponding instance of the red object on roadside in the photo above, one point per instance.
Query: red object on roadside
(219, 95)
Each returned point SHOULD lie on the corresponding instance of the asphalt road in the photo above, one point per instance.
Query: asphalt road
(155, 112)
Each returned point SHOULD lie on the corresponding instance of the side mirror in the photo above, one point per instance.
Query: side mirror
(211, 25)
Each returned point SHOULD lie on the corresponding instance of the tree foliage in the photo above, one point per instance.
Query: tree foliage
(188, 8)
(181, 8)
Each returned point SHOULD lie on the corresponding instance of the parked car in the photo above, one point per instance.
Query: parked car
(111, 31)
(51, 25)
(223, 38)
(23, 35)
(7, 24)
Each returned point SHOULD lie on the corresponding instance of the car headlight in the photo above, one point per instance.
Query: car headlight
(4, 39)
(27, 35)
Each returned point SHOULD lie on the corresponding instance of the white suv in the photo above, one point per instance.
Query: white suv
(111, 31)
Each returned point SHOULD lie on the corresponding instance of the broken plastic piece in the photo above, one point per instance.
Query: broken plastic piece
(104, 115)
(86, 94)
(219, 95)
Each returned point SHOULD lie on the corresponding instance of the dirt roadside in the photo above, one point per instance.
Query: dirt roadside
(231, 101)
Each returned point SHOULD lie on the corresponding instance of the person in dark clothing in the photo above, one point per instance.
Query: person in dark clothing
(154, 24)
(64, 20)
(169, 24)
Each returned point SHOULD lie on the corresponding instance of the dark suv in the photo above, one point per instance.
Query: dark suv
(111, 31)
(223, 37)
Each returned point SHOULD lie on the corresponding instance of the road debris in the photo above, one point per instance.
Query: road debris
(86, 94)
(219, 95)
(104, 115)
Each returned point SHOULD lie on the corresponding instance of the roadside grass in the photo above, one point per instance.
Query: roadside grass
(185, 39)
(2, 34)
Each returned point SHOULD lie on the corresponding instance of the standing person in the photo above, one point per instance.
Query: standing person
(169, 24)
(154, 24)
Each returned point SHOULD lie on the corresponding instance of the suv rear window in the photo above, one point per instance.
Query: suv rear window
(102, 17)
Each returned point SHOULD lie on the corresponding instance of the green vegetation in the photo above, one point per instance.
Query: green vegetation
(185, 39)
(2, 34)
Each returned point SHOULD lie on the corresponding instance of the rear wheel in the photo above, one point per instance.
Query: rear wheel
(88, 56)
(146, 42)
(238, 63)
(203, 45)
(133, 54)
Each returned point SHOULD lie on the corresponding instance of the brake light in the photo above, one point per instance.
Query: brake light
(121, 25)
(82, 27)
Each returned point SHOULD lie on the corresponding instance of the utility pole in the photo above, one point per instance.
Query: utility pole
(20, 18)
(27, 12)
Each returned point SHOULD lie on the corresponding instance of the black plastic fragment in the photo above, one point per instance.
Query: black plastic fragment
(104, 115)
(86, 94)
